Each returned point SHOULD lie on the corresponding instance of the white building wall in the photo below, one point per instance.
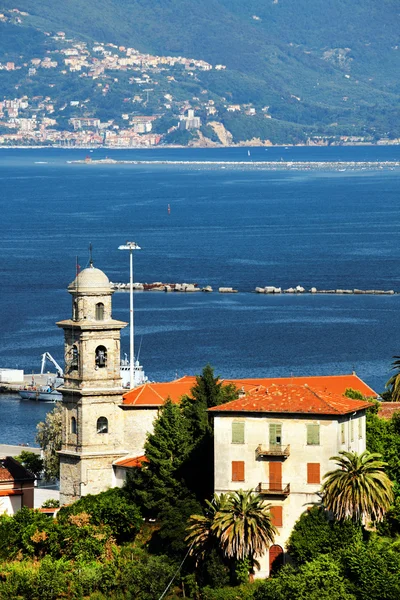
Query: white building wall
(138, 423)
(294, 468)
(9, 505)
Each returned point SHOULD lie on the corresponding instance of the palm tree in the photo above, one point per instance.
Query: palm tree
(239, 524)
(243, 526)
(200, 538)
(359, 489)
(394, 382)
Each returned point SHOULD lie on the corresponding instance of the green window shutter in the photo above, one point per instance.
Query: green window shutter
(352, 430)
(360, 424)
(275, 434)
(238, 432)
(313, 435)
(342, 434)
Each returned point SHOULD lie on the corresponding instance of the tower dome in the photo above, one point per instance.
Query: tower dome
(90, 280)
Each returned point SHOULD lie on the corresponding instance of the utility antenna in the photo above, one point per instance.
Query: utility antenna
(90, 255)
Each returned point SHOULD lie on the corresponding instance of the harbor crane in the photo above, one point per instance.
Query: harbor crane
(48, 356)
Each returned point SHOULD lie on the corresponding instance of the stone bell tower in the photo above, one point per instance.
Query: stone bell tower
(92, 433)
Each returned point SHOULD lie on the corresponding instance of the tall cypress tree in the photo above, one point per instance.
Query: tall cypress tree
(159, 482)
(209, 391)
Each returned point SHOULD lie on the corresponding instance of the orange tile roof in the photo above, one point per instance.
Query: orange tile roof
(133, 461)
(155, 394)
(5, 474)
(292, 399)
(387, 409)
(10, 492)
(12, 470)
(334, 384)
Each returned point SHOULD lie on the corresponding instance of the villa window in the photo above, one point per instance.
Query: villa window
(100, 311)
(313, 434)
(101, 357)
(73, 425)
(238, 432)
(102, 425)
(277, 515)
(237, 470)
(360, 428)
(275, 434)
(313, 473)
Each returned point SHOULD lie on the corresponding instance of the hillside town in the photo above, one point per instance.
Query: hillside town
(36, 119)
(146, 92)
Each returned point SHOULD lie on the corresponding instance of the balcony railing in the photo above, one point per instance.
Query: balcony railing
(273, 489)
(275, 450)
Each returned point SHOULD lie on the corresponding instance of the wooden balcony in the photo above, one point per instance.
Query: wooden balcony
(279, 451)
(273, 489)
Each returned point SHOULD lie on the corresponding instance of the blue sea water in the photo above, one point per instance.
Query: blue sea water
(228, 225)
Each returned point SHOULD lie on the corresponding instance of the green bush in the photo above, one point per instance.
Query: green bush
(314, 534)
(111, 509)
(242, 592)
(320, 579)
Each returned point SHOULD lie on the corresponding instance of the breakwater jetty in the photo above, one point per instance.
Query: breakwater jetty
(158, 286)
(257, 164)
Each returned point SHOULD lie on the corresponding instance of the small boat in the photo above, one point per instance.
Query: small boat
(48, 392)
(42, 393)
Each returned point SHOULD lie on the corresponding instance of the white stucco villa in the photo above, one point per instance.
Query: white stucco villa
(278, 440)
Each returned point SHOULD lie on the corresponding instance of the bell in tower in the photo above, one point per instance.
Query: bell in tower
(92, 393)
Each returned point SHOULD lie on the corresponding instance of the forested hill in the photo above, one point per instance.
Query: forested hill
(311, 61)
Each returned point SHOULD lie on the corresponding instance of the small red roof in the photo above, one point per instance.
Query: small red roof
(387, 409)
(153, 395)
(292, 399)
(5, 474)
(11, 470)
(11, 492)
(132, 461)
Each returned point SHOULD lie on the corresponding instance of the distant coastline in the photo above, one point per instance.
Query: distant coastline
(193, 147)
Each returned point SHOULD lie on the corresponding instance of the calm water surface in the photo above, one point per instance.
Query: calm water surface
(228, 226)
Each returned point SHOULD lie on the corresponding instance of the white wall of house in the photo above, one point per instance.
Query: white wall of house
(335, 434)
(138, 423)
(9, 505)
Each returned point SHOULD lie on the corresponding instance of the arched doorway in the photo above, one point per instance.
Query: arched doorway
(275, 558)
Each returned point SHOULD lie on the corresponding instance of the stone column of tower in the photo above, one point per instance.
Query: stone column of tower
(92, 432)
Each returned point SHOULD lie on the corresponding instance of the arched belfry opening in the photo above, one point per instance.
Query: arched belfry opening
(101, 357)
(102, 425)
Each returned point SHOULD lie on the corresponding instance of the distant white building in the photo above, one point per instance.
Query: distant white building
(190, 122)
(278, 441)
